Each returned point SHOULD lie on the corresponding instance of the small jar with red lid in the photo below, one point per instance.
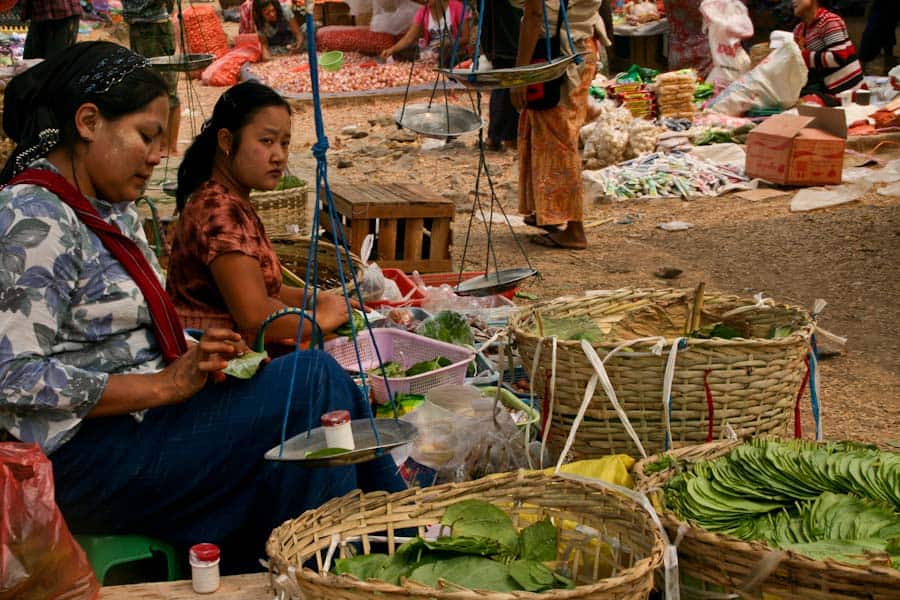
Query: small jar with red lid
(338, 430)
(204, 559)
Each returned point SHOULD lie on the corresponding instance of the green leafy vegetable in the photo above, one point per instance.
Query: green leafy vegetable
(480, 546)
(325, 452)
(572, 328)
(363, 567)
(780, 332)
(475, 518)
(447, 326)
(538, 541)
(717, 330)
(289, 182)
(473, 572)
(664, 462)
(535, 576)
(245, 366)
(357, 320)
(388, 369)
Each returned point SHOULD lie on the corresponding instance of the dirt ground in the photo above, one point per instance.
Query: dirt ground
(848, 255)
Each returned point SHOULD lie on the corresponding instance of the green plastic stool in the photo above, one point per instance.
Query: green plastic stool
(107, 551)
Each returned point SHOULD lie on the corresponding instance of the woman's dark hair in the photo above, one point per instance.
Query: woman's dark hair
(44, 99)
(259, 6)
(233, 111)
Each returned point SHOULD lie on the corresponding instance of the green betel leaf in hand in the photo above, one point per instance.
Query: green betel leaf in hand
(538, 541)
(245, 366)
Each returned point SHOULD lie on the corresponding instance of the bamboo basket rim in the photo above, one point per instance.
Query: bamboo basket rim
(450, 492)
(728, 544)
(518, 320)
(271, 194)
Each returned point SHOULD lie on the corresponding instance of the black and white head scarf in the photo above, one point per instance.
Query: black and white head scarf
(85, 71)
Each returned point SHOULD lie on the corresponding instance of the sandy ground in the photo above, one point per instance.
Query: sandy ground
(848, 255)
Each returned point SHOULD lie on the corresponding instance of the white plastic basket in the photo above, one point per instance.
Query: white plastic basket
(406, 349)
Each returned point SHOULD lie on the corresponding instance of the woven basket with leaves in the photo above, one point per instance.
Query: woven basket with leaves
(293, 254)
(282, 212)
(649, 380)
(713, 565)
(608, 543)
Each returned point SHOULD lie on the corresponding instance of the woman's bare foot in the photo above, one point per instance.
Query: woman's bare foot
(570, 238)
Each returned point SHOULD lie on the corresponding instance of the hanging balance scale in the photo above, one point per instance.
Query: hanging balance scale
(371, 437)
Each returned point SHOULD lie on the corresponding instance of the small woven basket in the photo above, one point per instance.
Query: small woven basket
(749, 384)
(722, 566)
(282, 212)
(293, 254)
(609, 543)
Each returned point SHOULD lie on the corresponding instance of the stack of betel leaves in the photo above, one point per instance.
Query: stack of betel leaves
(479, 549)
(836, 501)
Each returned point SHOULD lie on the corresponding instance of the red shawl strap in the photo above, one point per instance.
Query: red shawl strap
(166, 324)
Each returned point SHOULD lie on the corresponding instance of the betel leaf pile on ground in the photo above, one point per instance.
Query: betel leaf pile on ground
(836, 501)
(479, 549)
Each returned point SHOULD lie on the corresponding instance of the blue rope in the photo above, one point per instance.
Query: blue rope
(564, 16)
(478, 37)
(320, 152)
(814, 395)
(456, 39)
(547, 29)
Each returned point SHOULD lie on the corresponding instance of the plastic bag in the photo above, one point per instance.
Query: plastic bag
(39, 558)
(392, 16)
(726, 22)
(225, 71)
(775, 82)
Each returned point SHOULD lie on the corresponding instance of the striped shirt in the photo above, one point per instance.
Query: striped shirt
(829, 53)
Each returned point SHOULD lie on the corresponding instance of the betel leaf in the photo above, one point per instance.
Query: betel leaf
(363, 567)
(717, 330)
(539, 541)
(480, 546)
(472, 572)
(246, 365)
(780, 332)
(535, 576)
(326, 452)
(476, 518)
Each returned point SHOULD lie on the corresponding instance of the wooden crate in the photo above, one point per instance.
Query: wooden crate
(411, 224)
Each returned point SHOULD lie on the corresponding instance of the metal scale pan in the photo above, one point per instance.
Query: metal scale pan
(182, 63)
(513, 76)
(393, 433)
(494, 283)
(438, 120)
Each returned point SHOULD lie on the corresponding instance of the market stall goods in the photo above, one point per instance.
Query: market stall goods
(584, 520)
(290, 75)
(662, 175)
(675, 93)
(670, 377)
(794, 520)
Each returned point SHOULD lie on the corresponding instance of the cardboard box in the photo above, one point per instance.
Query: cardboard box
(803, 149)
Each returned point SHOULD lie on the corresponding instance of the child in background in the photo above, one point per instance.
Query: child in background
(828, 52)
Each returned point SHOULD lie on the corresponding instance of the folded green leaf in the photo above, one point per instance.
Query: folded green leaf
(246, 365)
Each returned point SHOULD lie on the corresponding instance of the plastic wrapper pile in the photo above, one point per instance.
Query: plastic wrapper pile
(675, 94)
(290, 75)
(636, 97)
(661, 175)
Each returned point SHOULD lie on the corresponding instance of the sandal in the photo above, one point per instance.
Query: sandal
(547, 240)
(531, 221)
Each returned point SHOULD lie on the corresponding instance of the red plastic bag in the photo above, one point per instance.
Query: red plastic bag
(225, 70)
(203, 30)
(353, 39)
(39, 558)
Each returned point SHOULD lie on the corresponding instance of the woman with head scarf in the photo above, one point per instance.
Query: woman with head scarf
(94, 364)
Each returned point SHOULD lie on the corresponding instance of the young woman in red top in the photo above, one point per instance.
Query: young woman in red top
(223, 271)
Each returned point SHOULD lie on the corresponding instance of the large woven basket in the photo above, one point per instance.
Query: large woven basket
(607, 521)
(293, 254)
(282, 212)
(752, 382)
(713, 565)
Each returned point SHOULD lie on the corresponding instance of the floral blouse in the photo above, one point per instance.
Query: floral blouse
(69, 313)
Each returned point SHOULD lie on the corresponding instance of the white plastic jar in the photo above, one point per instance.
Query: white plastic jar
(338, 430)
(204, 559)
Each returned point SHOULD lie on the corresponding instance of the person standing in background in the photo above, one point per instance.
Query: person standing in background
(150, 34)
(880, 33)
(499, 41)
(52, 26)
(550, 188)
(688, 44)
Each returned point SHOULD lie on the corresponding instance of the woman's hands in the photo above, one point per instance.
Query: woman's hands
(204, 359)
(331, 311)
(386, 54)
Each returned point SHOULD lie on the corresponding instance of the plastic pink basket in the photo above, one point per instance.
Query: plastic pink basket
(405, 349)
